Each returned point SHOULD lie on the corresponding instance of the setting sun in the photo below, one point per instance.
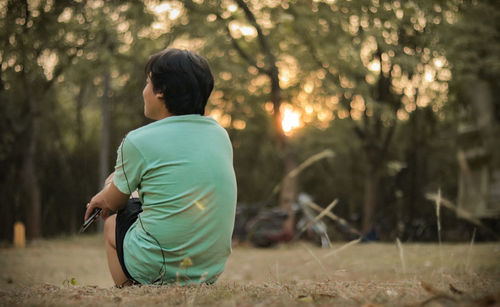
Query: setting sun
(291, 120)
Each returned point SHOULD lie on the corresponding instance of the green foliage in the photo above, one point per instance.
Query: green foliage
(53, 57)
(360, 66)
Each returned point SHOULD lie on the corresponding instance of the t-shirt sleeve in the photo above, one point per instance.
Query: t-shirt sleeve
(129, 167)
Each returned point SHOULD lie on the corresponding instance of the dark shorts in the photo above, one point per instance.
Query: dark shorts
(124, 219)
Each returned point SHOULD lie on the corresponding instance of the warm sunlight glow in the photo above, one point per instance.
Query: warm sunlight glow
(288, 70)
(291, 120)
(429, 77)
(174, 13)
(238, 30)
(248, 31)
(239, 124)
(162, 8)
(223, 119)
(308, 88)
(374, 66)
(48, 60)
(158, 26)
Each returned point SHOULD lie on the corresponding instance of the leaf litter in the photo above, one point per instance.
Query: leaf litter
(360, 275)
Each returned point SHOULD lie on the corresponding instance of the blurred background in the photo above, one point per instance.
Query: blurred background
(402, 95)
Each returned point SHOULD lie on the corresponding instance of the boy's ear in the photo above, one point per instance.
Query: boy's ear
(159, 95)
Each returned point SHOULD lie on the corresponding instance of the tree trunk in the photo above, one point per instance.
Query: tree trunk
(105, 120)
(289, 187)
(288, 193)
(33, 193)
(370, 200)
(79, 113)
(78, 164)
(30, 181)
(30, 186)
(105, 132)
(413, 160)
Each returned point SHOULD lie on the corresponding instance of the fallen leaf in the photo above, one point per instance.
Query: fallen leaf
(455, 290)
(323, 295)
(305, 298)
(488, 300)
(430, 288)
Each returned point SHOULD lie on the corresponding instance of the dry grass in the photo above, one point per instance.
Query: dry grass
(290, 275)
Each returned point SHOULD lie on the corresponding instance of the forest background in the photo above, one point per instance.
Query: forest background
(404, 93)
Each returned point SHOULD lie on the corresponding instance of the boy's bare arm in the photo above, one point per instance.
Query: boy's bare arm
(110, 198)
(109, 179)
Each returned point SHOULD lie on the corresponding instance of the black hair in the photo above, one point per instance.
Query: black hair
(184, 78)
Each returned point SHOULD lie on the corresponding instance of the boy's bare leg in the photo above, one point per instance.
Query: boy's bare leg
(114, 264)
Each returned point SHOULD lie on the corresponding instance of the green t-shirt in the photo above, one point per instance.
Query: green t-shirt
(183, 169)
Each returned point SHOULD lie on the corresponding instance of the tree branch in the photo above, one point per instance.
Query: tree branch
(266, 48)
(59, 70)
(241, 52)
(334, 78)
(387, 139)
(234, 42)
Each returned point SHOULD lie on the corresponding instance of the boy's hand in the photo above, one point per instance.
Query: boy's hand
(110, 198)
(96, 202)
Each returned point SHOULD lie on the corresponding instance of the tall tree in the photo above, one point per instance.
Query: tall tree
(49, 50)
(38, 55)
(377, 65)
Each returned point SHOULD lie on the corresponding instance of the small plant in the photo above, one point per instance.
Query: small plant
(186, 263)
(68, 282)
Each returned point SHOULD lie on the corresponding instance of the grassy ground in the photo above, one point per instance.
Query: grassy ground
(72, 271)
